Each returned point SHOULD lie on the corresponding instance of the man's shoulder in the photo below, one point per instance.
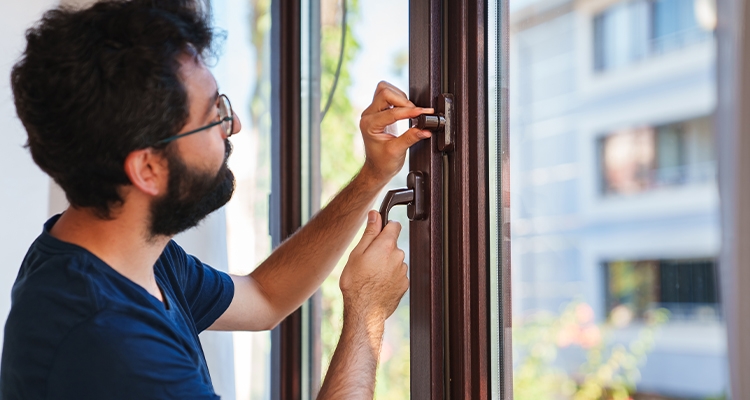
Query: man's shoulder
(51, 286)
(60, 290)
(56, 281)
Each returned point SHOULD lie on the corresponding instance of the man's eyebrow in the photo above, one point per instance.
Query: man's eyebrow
(211, 106)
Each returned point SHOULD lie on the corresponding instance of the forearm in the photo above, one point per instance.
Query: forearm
(351, 374)
(300, 265)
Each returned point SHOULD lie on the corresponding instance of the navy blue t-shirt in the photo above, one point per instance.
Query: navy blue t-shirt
(78, 329)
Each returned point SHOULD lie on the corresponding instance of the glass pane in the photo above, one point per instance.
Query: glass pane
(248, 239)
(614, 217)
(376, 49)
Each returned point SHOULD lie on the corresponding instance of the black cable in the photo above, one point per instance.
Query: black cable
(341, 61)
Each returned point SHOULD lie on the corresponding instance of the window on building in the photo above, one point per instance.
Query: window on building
(635, 160)
(621, 35)
(685, 287)
(630, 31)
(674, 25)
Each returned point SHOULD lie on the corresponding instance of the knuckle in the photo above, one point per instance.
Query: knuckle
(390, 245)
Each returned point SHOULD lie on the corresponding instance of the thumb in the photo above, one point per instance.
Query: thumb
(413, 135)
(371, 232)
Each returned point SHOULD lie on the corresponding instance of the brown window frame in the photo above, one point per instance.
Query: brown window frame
(450, 263)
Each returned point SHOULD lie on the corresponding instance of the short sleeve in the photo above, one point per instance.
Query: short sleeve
(117, 357)
(208, 291)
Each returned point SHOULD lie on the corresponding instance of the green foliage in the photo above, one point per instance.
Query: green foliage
(340, 161)
(610, 371)
(632, 283)
(339, 128)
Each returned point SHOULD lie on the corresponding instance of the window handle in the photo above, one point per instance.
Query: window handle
(412, 195)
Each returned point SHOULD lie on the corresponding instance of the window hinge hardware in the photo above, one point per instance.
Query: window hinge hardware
(442, 122)
(412, 195)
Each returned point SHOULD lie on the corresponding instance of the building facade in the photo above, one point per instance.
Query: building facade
(615, 202)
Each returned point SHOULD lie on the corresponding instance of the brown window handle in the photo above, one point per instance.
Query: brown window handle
(412, 195)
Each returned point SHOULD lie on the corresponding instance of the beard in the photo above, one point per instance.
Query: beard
(190, 196)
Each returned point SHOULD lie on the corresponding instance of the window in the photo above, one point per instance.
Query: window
(613, 218)
(674, 25)
(687, 288)
(621, 34)
(630, 31)
(635, 160)
(564, 296)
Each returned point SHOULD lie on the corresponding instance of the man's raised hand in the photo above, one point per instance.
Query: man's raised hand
(386, 153)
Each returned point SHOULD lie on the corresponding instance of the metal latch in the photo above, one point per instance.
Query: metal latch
(442, 122)
(413, 195)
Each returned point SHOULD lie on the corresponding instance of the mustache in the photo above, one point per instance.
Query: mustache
(228, 148)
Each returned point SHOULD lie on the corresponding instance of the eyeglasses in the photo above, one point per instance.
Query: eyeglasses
(226, 119)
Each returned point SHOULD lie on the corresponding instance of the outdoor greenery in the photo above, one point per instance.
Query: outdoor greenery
(341, 158)
(610, 370)
(338, 162)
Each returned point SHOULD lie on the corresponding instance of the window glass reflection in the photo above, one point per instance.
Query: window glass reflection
(614, 216)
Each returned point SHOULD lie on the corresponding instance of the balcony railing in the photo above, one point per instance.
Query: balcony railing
(678, 40)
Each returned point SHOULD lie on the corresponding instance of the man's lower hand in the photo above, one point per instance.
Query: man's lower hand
(375, 277)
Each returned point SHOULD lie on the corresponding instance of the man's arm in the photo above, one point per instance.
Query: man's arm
(300, 265)
(373, 282)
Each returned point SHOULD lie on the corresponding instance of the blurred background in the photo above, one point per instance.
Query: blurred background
(615, 211)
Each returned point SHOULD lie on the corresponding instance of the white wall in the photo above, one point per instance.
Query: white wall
(24, 188)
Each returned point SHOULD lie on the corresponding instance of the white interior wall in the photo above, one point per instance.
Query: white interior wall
(24, 188)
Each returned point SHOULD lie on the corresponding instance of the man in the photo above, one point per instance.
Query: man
(123, 114)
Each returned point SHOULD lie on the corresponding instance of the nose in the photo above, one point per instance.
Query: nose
(236, 124)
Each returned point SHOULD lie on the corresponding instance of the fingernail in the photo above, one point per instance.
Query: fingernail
(424, 134)
(428, 110)
(371, 217)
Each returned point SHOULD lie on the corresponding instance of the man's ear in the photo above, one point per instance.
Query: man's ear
(147, 171)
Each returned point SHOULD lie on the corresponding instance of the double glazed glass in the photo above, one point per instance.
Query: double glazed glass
(614, 219)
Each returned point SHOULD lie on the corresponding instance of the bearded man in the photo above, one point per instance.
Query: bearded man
(123, 114)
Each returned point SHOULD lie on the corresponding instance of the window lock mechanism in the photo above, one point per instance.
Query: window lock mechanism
(442, 122)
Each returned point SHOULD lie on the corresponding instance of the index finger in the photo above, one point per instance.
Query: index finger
(387, 117)
(389, 97)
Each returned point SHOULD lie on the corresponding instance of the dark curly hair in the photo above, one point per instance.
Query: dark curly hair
(95, 84)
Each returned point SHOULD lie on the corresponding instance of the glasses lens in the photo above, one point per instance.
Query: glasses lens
(225, 110)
